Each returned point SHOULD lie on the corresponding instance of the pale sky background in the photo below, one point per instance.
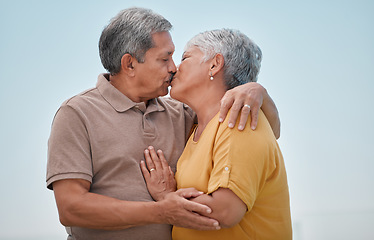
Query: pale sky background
(317, 66)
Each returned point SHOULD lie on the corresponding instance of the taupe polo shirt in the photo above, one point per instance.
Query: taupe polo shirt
(100, 135)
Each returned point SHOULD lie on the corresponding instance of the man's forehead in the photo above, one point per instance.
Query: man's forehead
(163, 42)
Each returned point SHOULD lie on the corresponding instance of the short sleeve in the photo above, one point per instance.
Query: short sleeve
(68, 148)
(240, 162)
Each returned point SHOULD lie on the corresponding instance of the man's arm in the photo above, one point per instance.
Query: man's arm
(79, 207)
(227, 208)
(254, 95)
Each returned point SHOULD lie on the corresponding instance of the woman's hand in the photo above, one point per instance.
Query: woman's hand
(158, 176)
(248, 99)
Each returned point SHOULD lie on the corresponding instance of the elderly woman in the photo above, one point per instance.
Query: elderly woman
(241, 173)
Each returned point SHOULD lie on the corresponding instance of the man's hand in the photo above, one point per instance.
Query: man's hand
(158, 176)
(179, 211)
(246, 99)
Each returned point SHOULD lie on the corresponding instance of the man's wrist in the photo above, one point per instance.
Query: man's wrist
(158, 208)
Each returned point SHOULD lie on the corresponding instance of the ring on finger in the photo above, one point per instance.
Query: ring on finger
(152, 169)
(246, 105)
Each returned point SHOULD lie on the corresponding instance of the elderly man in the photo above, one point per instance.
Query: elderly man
(98, 137)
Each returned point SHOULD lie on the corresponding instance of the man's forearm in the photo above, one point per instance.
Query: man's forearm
(79, 207)
(96, 211)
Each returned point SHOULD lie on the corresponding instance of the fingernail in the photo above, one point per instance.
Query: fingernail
(253, 128)
(231, 125)
(146, 151)
(241, 127)
(150, 147)
(220, 120)
(209, 210)
(218, 228)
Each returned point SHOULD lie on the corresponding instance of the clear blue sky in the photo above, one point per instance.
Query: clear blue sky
(318, 67)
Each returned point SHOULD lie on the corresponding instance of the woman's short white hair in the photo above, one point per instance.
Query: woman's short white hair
(242, 56)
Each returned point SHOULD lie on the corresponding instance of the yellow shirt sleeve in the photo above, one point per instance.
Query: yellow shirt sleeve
(241, 160)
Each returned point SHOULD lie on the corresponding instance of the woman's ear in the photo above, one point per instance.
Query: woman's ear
(127, 64)
(217, 63)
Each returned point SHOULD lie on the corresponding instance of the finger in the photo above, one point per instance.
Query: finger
(196, 207)
(171, 172)
(148, 160)
(155, 159)
(189, 192)
(199, 222)
(163, 161)
(165, 167)
(144, 171)
(254, 117)
(235, 109)
(226, 103)
(244, 117)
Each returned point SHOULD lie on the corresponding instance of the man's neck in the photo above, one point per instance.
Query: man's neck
(126, 88)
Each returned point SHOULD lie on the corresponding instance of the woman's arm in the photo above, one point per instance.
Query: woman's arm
(227, 208)
(271, 113)
(254, 95)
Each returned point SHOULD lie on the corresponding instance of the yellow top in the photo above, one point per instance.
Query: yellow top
(250, 164)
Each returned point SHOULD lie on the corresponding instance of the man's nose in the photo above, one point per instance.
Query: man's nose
(172, 67)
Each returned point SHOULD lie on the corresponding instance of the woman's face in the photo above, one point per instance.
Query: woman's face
(190, 76)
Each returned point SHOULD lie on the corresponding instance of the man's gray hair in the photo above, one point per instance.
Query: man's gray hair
(129, 32)
(242, 56)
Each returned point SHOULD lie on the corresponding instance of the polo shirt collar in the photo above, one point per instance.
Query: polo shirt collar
(121, 102)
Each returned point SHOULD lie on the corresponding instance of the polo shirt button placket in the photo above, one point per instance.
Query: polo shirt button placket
(137, 107)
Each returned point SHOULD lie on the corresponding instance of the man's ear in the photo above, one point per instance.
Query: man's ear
(217, 63)
(127, 64)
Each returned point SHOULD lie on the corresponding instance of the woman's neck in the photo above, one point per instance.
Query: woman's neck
(206, 106)
(204, 118)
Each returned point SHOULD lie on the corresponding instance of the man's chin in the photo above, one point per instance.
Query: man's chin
(164, 92)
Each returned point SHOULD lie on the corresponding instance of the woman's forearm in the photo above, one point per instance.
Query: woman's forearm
(271, 113)
(227, 208)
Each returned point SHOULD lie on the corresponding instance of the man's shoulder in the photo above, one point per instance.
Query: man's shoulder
(81, 98)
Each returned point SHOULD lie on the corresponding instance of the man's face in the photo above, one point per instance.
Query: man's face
(154, 75)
